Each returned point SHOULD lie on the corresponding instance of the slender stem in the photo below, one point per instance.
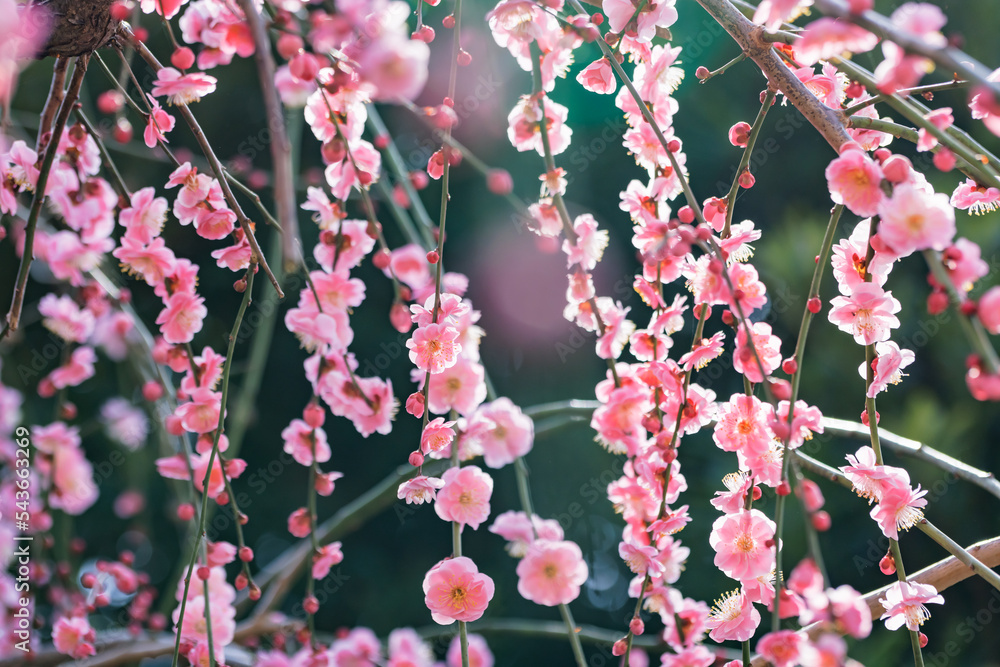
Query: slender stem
(745, 160)
(972, 327)
(281, 147)
(906, 92)
(213, 160)
(722, 70)
(227, 367)
(888, 127)
(28, 254)
(398, 166)
(572, 631)
(116, 178)
(807, 316)
(54, 100)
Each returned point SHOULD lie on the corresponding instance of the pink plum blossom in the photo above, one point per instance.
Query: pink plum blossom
(479, 652)
(905, 605)
(501, 432)
(855, 181)
(74, 637)
(868, 314)
(888, 365)
(520, 532)
(828, 37)
(455, 590)
(419, 490)
(974, 198)
(915, 218)
(182, 317)
(740, 540)
(182, 88)
(768, 352)
(742, 426)
(327, 556)
(898, 506)
(551, 572)
(733, 618)
(434, 348)
(64, 318)
(158, 123)
(305, 443)
(598, 77)
(465, 496)
(784, 648)
(437, 437)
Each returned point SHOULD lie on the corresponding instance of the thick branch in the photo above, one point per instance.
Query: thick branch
(749, 36)
(942, 575)
(281, 148)
(955, 61)
(280, 574)
(918, 450)
(27, 255)
(127, 649)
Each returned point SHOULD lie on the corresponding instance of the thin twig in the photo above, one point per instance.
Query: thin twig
(213, 160)
(749, 36)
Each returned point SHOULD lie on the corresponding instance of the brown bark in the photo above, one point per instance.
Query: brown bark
(79, 27)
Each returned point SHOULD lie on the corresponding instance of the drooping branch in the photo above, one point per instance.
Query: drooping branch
(918, 450)
(51, 148)
(281, 148)
(213, 160)
(955, 61)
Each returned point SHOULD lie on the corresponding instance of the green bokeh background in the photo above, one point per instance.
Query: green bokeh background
(534, 356)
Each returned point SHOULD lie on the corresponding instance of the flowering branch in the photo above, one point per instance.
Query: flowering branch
(749, 36)
(201, 535)
(27, 255)
(281, 147)
(967, 557)
(898, 443)
(213, 160)
(950, 58)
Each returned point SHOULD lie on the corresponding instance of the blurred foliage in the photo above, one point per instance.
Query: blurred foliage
(533, 355)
